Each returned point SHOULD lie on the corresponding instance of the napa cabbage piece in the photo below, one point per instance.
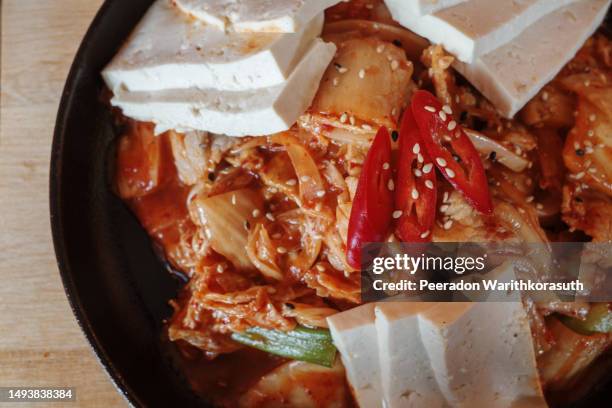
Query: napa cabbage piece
(262, 253)
(309, 315)
(278, 173)
(552, 108)
(503, 155)
(589, 211)
(588, 147)
(344, 30)
(139, 161)
(189, 155)
(225, 218)
(366, 86)
(300, 384)
(310, 224)
(308, 175)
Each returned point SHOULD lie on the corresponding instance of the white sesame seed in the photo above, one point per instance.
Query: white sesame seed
(343, 118)
(393, 111)
(380, 48)
(361, 73)
(576, 146)
(270, 216)
(418, 172)
(342, 70)
(430, 109)
(447, 109)
(386, 166)
(394, 65)
(425, 234)
(233, 199)
(416, 149)
(320, 193)
(335, 82)
(427, 168)
(450, 173)
(420, 158)
(588, 150)
(429, 184)
(220, 268)
(291, 182)
(305, 179)
(452, 125)
(441, 162)
(397, 214)
(444, 208)
(391, 185)
(415, 194)
(545, 96)
(539, 206)
(530, 199)
(320, 268)
(580, 175)
(352, 120)
(591, 133)
(593, 117)
(256, 213)
(445, 197)
(592, 170)
(448, 224)
(442, 115)
(281, 250)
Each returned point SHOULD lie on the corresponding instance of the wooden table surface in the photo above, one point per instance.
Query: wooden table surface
(40, 341)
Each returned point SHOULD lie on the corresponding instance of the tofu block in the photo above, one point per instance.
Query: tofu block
(424, 7)
(168, 50)
(513, 74)
(407, 377)
(244, 113)
(354, 334)
(475, 27)
(482, 354)
(272, 16)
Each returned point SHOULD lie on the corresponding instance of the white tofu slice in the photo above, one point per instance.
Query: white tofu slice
(475, 27)
(273, 16)
(482, 354)
(513, 74)
(354, 334)
(255, 112)
(407, 377)
(424, 7)
(169, 50)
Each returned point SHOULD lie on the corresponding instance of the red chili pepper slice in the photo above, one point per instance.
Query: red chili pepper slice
(371, 213)
(416, 190)
(439, 134)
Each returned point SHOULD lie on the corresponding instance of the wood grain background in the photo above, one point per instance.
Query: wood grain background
(40, 341)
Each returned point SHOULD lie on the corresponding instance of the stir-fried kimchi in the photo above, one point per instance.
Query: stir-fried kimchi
(263, 229)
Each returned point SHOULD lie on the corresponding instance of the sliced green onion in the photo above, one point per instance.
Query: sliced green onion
(304, 344)
(598, 320)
